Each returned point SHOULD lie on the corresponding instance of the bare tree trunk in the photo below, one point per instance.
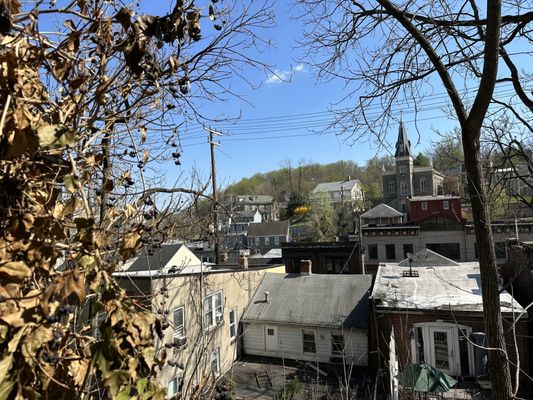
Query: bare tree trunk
(499, 371)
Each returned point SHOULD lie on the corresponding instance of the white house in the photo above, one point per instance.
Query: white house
(341, 191)
(310, 317)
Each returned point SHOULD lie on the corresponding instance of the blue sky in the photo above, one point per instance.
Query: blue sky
(272, 127)
(284, 113)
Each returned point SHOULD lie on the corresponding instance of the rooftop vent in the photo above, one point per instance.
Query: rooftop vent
(410, 273)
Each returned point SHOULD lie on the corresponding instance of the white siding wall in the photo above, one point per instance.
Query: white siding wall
(290, 343)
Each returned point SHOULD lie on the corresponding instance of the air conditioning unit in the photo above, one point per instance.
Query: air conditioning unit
(219, 318)
(180, 341)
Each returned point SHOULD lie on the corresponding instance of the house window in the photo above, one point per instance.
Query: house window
(174, 387)
(308, 339)
(233, 324)
(267, 240)
(392, 188)
(276, 240)
(390, 252)
(179, 321)
(334, 265)
(423, 185)
(403, 169)
(257, 241)
(407, 248)
(337, 344)
(372, 251)
(215, 362)
(403, 187)
(445, 205)
(213, 309)
(424, 205)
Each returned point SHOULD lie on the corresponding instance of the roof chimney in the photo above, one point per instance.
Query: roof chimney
(243, 262)
(305, 267)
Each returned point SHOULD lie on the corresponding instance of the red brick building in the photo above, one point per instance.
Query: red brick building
(422, 208)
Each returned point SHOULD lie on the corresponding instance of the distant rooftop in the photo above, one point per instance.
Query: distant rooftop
(336, 186)
(270, 228)
(381, 211)
(254, 199)
(427, 258)
(430, 198)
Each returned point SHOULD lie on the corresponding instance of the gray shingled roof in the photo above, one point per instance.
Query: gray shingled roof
(315, 300)
(381, 211)
(270, 228)
(336, 186)
(157, 261)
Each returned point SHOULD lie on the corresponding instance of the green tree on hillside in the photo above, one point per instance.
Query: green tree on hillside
(323, 218)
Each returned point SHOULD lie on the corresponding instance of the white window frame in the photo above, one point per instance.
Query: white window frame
(424, 205)
(174, 386)
(308, 332)
(215, 361)
(211, 310)
(276, 240)
(233, 324)
(179, 330)
(267, 240)
(445, 205)
(257, 241)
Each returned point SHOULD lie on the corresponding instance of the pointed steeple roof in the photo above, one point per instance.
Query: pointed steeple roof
(403, 145)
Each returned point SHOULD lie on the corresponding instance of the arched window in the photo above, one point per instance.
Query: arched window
(423, 186)
(403, 187)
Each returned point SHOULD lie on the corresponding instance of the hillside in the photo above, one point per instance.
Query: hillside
(299, 179)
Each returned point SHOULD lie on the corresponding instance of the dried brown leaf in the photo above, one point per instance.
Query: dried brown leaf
(15, 270)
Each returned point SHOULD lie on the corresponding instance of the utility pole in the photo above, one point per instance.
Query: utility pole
(216, 236)
(360, 245)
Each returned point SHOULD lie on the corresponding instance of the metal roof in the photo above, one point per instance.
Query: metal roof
(381, 211)
(336, 186)
(313, 300)
(270, 228)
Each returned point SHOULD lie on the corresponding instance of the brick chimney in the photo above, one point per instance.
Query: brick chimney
(306, 267)
(243, 262)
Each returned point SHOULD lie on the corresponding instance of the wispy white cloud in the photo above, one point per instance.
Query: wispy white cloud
(299, 68)
(281, 76)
